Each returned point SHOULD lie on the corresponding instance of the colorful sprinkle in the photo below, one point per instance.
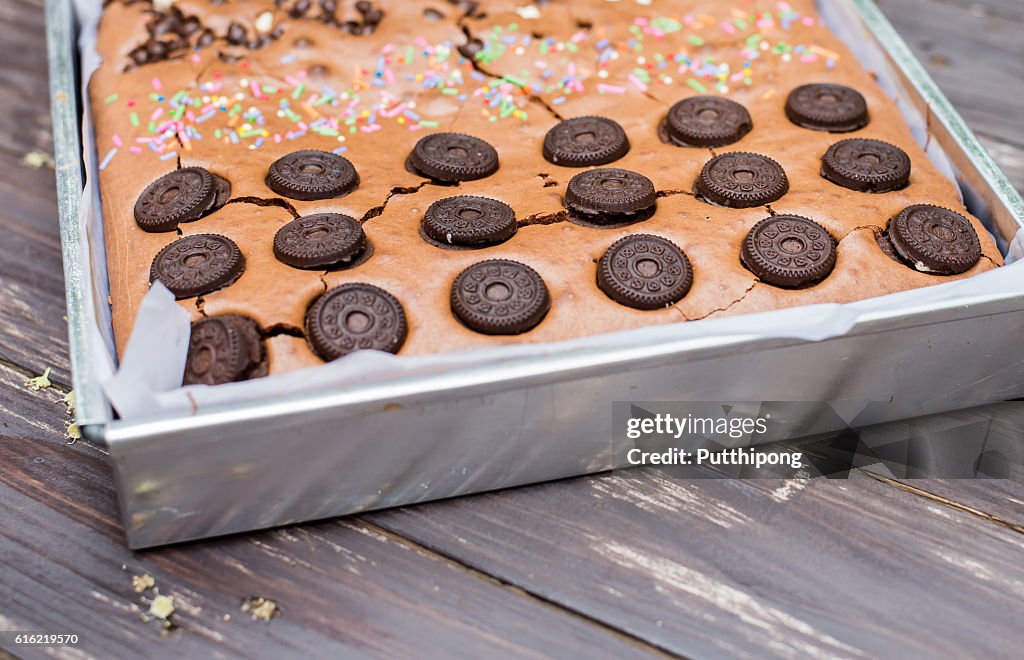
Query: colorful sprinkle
(250, 112)
(106, 159)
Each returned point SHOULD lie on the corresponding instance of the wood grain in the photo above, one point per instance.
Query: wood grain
(344, 587)
(33, 334)
(711, 567)
(975, 53)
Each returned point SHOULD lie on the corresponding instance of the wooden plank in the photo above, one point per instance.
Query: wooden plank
(24, 90)
(32, 329)
(970, 459)
(974, 52)
(965, 449)
(998, 500)
(714, 567)
(33, 333)
(344, 587)
(26, 413)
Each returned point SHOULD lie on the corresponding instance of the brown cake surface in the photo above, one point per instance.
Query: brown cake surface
(233, 86)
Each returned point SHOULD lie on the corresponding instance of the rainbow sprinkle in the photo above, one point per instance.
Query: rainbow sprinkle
(238, 112)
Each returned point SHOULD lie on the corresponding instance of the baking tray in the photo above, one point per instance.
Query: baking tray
(468, 430)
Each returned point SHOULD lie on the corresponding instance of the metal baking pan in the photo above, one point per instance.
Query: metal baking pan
(470, 430)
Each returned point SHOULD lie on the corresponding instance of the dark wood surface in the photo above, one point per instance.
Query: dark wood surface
(626, 564)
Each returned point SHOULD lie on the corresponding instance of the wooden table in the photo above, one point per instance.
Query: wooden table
(624, 564)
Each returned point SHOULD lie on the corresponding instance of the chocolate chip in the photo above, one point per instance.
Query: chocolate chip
(827, 107)
(470, 49)
(179, 196)
(469, 221)
(327, 10)
(644, 271)
(452, 157)
(224, 349)
(933, 239)
(163, 25)
(198, 264)
(741, 180)
(432, 15)
(500, 297)
(866, 165)
(177, 43)
(789, 251)
(609, 195)
(585, 141)
(707, 121)
(157, 50)
(310, 175)
(320, 241)
(469, 8)
(190, 26)
(355, 317)
(206, 38)
(237, 34)
(139, 55)
(362, 6)
(299, 9)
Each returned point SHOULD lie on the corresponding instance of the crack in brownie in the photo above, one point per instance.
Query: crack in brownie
(387, 149)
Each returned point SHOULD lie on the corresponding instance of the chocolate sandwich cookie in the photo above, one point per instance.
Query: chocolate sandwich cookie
(935, 240)
(827, 107)
(224, 349)
(355, 317)
(198, 264)
(180, 196)
(866, 165)
(609, 196)
(585, 141)
(453, 157)
(500, 297)
(644, 271)
(741, 180)
(310, 175)
(469, 221)
(707, 121)
(885, 245)
(789, 251)
(319, 241)
(221, 192)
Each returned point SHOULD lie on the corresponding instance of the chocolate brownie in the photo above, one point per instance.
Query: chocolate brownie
(385, 156)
